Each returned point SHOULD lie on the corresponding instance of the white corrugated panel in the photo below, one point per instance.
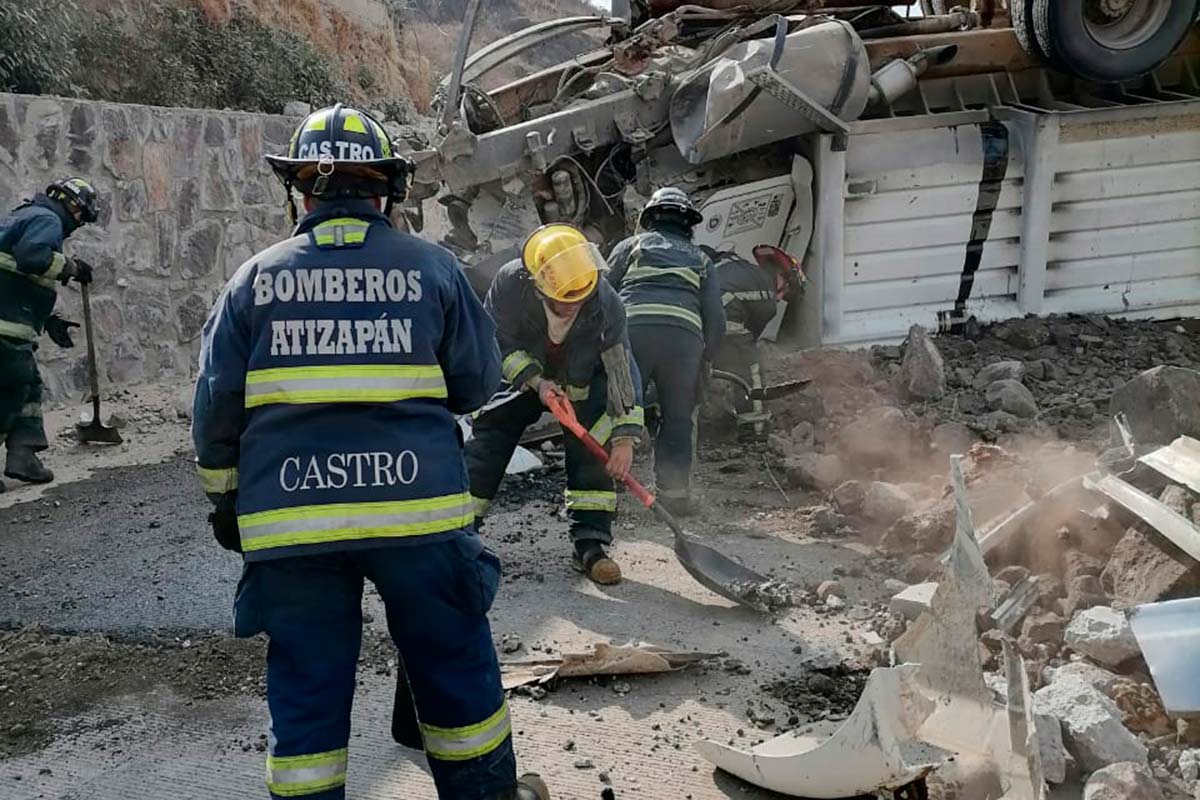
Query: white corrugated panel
(1125, 231)
(909, 204)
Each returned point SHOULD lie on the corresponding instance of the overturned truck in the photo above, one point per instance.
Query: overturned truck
(929, 168)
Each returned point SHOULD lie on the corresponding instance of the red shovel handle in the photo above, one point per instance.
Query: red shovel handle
(564, 412)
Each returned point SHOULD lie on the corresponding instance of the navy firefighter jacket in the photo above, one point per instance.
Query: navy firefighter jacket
(331, 369)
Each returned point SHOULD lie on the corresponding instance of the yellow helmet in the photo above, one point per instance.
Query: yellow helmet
(565, 266)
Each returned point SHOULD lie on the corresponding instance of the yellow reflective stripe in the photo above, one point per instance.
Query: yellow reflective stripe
(15, 330)
(641, 273)
(353, 123)
(58, 263)
(602, 429)
(338, 522)
(355, 383)
(471, 741)
(341, 231)
(316, 123)
(663, 310)
(635, 417)
(385, 141)
(582, 500)
(217, 481)
(577, 393)
(515, 363)
(294, 776)
(729, 297)
(9, 264)
(480, 504)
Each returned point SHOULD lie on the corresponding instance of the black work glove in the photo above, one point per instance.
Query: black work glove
(59, 330)
(223, 520)
(78, 269)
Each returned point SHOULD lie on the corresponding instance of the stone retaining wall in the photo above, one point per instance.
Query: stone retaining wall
(186, 198)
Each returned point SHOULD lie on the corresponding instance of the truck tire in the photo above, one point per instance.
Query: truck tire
(1023, 27)
(1111, 40)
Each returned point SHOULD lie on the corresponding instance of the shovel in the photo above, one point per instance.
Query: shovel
(94, 431)
(712, 570)
(764, 393)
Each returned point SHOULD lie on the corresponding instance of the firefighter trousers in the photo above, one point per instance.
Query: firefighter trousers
(738, 354)
(671, 358)
(591, 497)
(437, 597)
(20, 396)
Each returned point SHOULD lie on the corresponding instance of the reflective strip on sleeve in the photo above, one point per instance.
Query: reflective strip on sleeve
(340, 232)
(46, 281)
(602, 429)
(755, 296)
(641, 273)
(635, 417)
(58, 263)
(577, 393)
(15, 330)
(339, 522)
(515, 363)
(217, 481)
(480, 504)
(586, 500)
(471, 741)
(663, 310)
(296, 776)
(363, 383)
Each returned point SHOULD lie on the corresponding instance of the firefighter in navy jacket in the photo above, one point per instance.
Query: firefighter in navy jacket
(562, 331)
(331, 369)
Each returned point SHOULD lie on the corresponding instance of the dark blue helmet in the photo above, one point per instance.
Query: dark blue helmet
(77, 195)
(343, 152)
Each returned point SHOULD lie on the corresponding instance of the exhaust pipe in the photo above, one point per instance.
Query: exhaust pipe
(957, 20)
(897, 78)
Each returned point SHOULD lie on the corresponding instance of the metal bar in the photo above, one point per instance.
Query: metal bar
(1015, 605)
(1176, 528)
(829, 243)
(1180, 462)
(1041, 153)
(460, 60)
(979, 51)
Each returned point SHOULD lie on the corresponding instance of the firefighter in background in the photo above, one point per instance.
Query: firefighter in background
(675, 326)
(562, 333)
(750, 294)
(31, 262)
(331, 369)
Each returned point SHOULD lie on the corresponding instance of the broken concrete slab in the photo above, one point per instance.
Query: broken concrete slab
(822, 471)
(922, 371)
(999, 371)
(1097, 677)
(885, 503)
(1103, 634)
(1124, 781)
(913, 601)
(1144, 567)
(1091, 724)
(1160, 404)
(1011, 397)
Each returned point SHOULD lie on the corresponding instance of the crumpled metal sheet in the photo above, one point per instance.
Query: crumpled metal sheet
(605, 659)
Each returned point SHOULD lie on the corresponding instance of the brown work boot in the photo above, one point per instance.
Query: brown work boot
(592, 561)
(22, 464)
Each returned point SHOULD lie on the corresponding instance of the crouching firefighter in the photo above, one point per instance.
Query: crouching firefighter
(562, 333)
(331, 369)
(750, 294)
(675, 326)
(31, 263)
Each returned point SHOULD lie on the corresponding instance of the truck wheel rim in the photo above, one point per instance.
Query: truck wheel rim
(1124, 24)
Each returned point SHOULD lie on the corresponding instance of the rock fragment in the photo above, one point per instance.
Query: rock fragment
(1123, 781)
(1011, 397)
(885, 503)
(999, 371)
(1103, 634)
(952, 438)
(913, 601)
(1160, 404)
(821, 471)
(922, 370)
(849, 497)
(1091, 724)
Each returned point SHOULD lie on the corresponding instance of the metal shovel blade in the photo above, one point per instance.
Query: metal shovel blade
(95, 432)
(714, 571)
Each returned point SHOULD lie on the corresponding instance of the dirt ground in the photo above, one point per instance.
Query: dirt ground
(119, 676)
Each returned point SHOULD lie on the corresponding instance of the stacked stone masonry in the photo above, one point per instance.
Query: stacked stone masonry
(186, 198)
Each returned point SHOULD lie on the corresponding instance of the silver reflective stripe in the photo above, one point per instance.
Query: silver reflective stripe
(729, 297)
(9, 264)
(302, 385)
(641, 273)
(461, 744)
(15, 330)
(322, 772)
(327, 518)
